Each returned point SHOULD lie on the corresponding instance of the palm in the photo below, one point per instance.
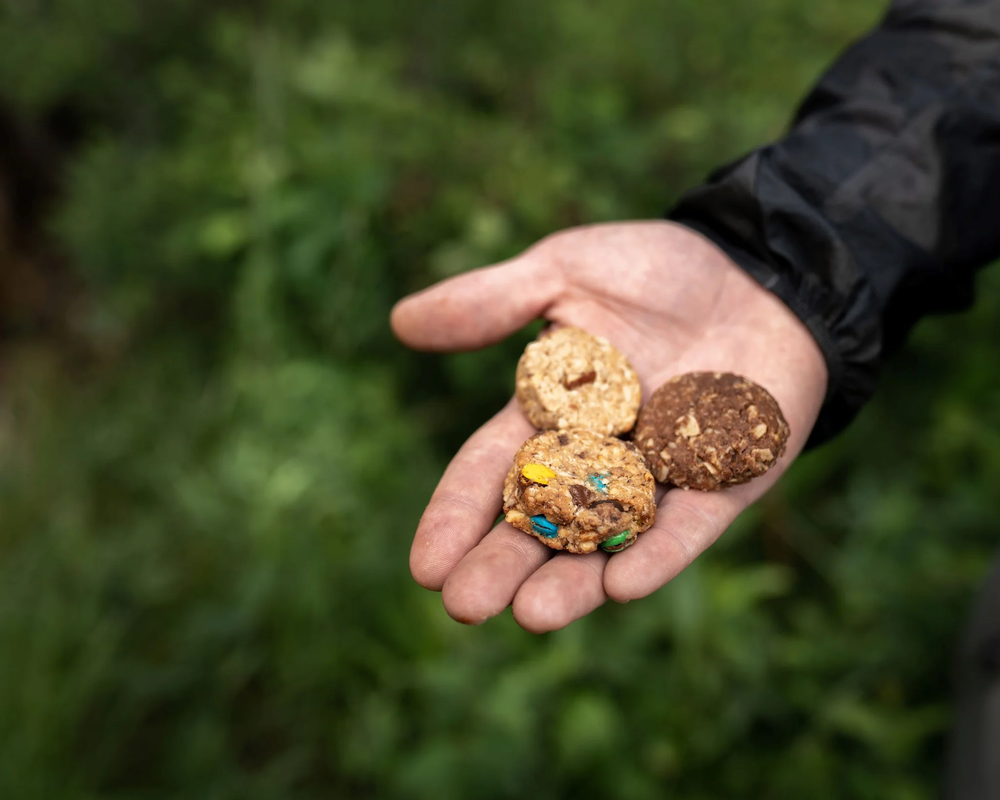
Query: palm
(673, 303)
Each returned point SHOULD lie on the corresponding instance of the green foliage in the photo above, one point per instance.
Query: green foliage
(203, 542)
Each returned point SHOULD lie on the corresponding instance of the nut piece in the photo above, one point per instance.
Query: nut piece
(570, 379)
(600, 493)
(706, 430)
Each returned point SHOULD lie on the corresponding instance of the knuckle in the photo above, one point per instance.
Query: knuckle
(448, 506)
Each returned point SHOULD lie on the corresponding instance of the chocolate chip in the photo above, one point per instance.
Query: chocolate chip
(587, 377)
(563, 439)
(581, 494)
(614, 503)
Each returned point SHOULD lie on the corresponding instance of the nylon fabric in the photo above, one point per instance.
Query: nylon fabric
(883, 199)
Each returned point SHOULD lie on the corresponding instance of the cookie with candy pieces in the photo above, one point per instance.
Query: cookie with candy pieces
(577, 490)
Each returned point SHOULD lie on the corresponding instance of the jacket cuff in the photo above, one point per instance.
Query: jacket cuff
(851, 354)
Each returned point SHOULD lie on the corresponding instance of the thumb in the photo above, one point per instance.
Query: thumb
(477, 308)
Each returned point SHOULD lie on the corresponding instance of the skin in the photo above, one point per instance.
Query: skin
(673, 303)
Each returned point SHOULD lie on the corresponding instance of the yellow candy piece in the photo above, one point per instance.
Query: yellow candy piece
(537, 473)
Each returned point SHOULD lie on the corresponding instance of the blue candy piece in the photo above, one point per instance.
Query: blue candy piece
(543, 527)
(599, 482)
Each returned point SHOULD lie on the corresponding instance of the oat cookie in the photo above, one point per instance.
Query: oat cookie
(706, 430)
(576, 490)
(570, 379)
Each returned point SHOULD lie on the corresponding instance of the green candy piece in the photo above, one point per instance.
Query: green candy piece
(616, 543)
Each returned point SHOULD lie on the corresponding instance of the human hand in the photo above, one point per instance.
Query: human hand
(672, 302)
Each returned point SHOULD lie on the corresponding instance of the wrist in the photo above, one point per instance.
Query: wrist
(812, 350)
(776, 340)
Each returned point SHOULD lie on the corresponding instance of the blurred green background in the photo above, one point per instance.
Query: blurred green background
(213, 454)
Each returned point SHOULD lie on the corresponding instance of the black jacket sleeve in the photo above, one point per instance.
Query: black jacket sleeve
(883, 200)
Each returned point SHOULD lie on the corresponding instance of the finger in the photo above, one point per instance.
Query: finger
(687, 523)
(468, 497)
(564, 589)
(485, 581)
(478, 308)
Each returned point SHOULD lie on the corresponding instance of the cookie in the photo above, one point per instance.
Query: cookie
(570, 379)
(576, 490)
(707, 430)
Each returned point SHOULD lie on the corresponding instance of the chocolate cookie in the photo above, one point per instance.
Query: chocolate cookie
(706, 430)
(570, 379)
(576, 490)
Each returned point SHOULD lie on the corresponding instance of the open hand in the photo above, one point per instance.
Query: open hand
(673, 303)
